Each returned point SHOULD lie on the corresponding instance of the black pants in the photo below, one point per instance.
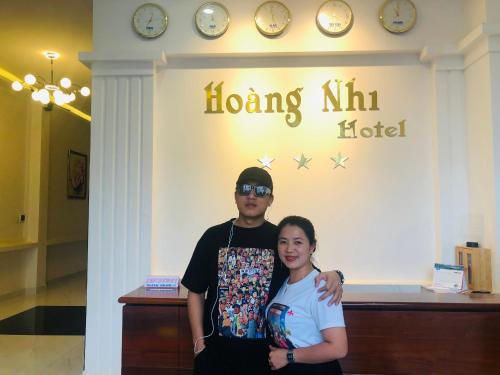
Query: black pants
(329, 368)
(233, 356)
(226, 356)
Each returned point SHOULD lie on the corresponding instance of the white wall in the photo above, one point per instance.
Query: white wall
(15, 263)
(150, 160)
(375, 219)
(113, 33)
(67, 219)
(55, 230)
(13, 139)
(373, 252)
(66, 259)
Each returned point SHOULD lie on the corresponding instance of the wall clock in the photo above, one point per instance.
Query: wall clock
(149, 20)
(212, 19)
(272, 18)
(398, 16)
(335, 17)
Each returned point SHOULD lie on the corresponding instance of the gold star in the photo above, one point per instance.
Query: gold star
(339, 160)
(265, 161)
(302, 161)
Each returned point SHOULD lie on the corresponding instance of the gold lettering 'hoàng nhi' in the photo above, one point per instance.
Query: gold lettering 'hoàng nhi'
(343, 97)
(271, 103)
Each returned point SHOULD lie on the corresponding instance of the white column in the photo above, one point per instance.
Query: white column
(450, 152)
(481, 48)
(120, 194)
(495, 111)
(495, 117)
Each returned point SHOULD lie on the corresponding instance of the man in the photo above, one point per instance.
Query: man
(222, 261)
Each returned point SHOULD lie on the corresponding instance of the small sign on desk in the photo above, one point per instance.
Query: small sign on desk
(448, 279)
(162, 282)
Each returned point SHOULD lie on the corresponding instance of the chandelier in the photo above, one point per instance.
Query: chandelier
(48, 92)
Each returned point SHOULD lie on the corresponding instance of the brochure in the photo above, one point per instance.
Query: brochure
(448, 279)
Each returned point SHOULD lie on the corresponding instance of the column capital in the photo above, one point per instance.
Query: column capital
(123, 63)
(484, 39)
(442, 57)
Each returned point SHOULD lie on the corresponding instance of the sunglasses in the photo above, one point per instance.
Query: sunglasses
(259, 191)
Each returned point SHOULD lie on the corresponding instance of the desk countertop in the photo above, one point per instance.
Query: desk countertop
(423, 300)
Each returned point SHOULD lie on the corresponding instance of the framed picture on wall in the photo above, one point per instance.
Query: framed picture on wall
(77, 175)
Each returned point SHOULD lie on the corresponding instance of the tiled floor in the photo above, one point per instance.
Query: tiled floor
(41, 354)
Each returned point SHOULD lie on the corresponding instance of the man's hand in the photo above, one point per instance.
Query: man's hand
(277, 358)
(198, 346)
(332, 287)
(196, 301)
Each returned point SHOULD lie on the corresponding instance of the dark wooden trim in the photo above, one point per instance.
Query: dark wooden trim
(412, 306)
(398, 333)
(423, 301)
(145, 296)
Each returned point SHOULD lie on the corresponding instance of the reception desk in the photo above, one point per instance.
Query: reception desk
(389, 333)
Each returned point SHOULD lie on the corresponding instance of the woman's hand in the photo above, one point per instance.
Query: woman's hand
(332, 287)
(277, 358)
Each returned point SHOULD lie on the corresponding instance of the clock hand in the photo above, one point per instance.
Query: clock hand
(150, 19)
(397, 8)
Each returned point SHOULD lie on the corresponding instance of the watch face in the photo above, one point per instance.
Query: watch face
(335, 17)
(398, 16)
(212, 19)
(149, 20)
(271, 18)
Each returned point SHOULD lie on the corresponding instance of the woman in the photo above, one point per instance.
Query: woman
(308, 335)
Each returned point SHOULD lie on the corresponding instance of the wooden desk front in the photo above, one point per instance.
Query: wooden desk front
(389, 333)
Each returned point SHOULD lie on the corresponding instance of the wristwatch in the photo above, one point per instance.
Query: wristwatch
(290, 356)
(341, 275)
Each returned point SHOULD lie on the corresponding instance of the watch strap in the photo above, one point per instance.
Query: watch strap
(341, 275)
(290, 356)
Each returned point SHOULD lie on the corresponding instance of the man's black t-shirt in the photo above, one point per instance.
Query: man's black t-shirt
(240, 270)
(240, 279)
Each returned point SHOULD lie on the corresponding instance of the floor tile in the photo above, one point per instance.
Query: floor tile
(46, 320)
(44, 354)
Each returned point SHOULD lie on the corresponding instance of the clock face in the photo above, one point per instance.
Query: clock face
(149, 20)
(271, 18)
(212, 19)
(335, 17)
(398, 16)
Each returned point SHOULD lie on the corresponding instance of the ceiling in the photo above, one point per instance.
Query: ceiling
(29, 27)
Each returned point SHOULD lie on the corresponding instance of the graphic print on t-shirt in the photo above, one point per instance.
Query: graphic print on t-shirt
(244, 280)
(276, 321)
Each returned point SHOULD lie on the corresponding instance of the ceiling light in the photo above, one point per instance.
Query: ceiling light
(46, 91)
(30, 79)
(17, 86)
(65, 82)
(85, 91)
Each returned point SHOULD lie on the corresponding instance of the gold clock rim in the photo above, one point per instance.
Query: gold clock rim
(266, 33)
(212, 3)
(387, 27)
(165, 24)
(335, 33)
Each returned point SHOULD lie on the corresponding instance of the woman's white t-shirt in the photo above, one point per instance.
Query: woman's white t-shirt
(296, 317)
